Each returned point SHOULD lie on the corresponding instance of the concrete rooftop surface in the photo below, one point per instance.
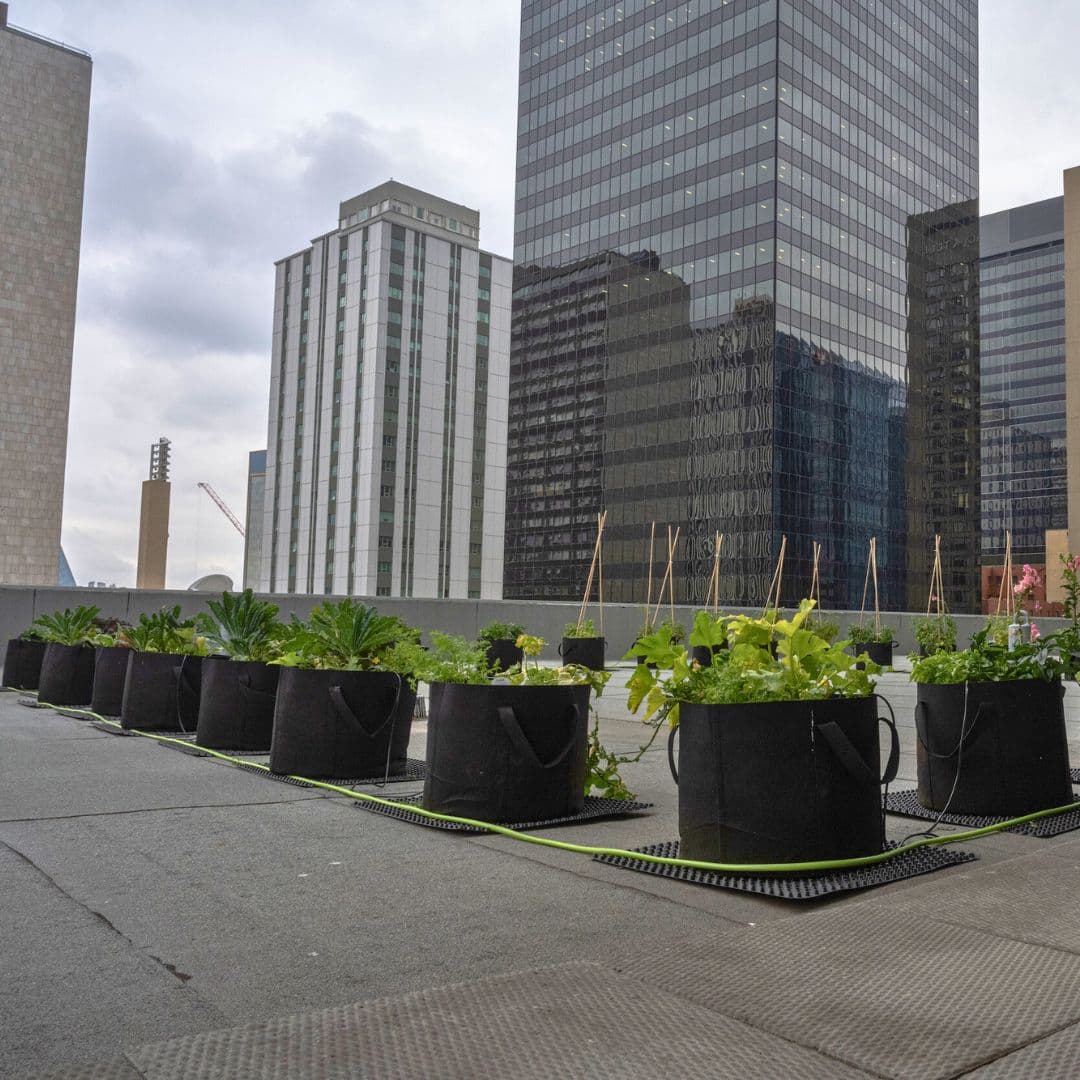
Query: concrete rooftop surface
(167, 916)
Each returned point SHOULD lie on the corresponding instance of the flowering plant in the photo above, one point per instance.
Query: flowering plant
(1024, 589)
(1070, 571)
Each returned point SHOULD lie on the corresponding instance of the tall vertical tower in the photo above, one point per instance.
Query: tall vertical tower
(782, 185)
(386, 449)
(44, 105)
(154, 520)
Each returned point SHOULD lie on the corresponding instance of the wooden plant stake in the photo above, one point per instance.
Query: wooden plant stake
(712, 592)
(648, 595)
(1005, 591)
(601, 519)
(815, 579)
(777, 579)
(937, 586)
(873, 563)
(667, 582)
(600, 566)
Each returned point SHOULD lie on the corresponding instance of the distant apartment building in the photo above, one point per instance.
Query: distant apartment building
(386, 452)
(44, 107)
(253, 518)
(1022, 326)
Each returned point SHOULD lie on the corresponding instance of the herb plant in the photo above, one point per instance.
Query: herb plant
(867, 635)
(988, 661)
(587, 629)
(498, 631)
(242, 627)
(68, 627)
(936, 633)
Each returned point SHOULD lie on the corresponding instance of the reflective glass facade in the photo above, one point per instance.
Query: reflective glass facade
(728, 214)
(1022, 323)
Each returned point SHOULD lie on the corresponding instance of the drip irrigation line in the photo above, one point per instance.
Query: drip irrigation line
(590, 849)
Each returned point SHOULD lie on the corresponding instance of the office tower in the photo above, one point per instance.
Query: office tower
(253, 518)
(385, 470)
(794, 180)
(44, 105)
(154, 520)
(1022, 359)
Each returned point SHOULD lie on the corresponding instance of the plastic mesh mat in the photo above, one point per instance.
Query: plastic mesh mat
(77, 714)
(906, 804)
(415, 769)
(594, 808)
(796, 887)
(1075, 773)
(31, 702)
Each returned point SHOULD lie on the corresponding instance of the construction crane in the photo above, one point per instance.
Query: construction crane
(219, 502)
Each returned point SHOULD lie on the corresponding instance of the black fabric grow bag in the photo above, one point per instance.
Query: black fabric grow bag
(340, 723)
(703, 654)
(503, 654)
(67, 675)
(586, 651)
(506, 753)
(1014, 756)
(110, 674)
(236, 705)
(22, 664)
(161, 692)
(879, 653)
(785, 781)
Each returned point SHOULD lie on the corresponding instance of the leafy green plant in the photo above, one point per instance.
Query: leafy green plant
(586, 629)
(828, 629)
(163, 632)
(602, 776)
(860, 634)
(997, 629)
(242, 627)
(806, 667)
(498, 631)
(346, 636)
(708, 630)
(68, 627)
(988, 661)
(936, 633)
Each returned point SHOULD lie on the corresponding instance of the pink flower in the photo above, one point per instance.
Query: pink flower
(1074, 563)
(1034, 632)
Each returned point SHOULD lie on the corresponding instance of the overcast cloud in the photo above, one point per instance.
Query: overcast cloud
(224, 134)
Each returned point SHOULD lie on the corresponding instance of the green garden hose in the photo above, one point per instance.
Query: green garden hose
(589, 849)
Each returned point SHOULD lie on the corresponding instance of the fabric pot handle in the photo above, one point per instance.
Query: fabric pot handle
(344, 711)
(249, 691)
(965, 739)
(892, 766)
(846, 754)
(671, 754)
(510, 724)
(559, 649)
(183, 682)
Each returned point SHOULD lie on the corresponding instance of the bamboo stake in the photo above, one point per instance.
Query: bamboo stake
(601, 519)
(667, 582)
(600, 566)
(866, 583)
(1005, 591)
(815, 580)
(713, 592)
(777, 578)
(652, 543)
(877, 608)
(671, 572)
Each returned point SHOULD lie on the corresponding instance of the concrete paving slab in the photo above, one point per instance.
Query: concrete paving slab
(574, 1021)
(891, 992)
(116, 1069)
(1057, 1057)
(71, 985)
(1032, 898)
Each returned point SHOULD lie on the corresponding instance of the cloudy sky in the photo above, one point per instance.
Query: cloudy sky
(223, 135)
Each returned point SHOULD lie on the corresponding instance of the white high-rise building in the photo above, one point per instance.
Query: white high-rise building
(386, 452)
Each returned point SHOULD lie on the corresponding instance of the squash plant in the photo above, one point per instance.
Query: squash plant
(806, 667)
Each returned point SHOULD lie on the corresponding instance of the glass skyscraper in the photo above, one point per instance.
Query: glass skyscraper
(745, 294)
(1022, 324)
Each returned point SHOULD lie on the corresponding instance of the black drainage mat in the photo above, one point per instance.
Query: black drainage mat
(1075, 775)
(415, 769)
(111, 730)
(906, 804)
(594, 808)
(32, 703)
(806, 887)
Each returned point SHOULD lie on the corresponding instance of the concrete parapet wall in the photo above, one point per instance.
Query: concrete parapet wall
(19, 606)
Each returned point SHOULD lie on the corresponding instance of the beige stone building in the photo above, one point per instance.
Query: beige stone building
(44, 106)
